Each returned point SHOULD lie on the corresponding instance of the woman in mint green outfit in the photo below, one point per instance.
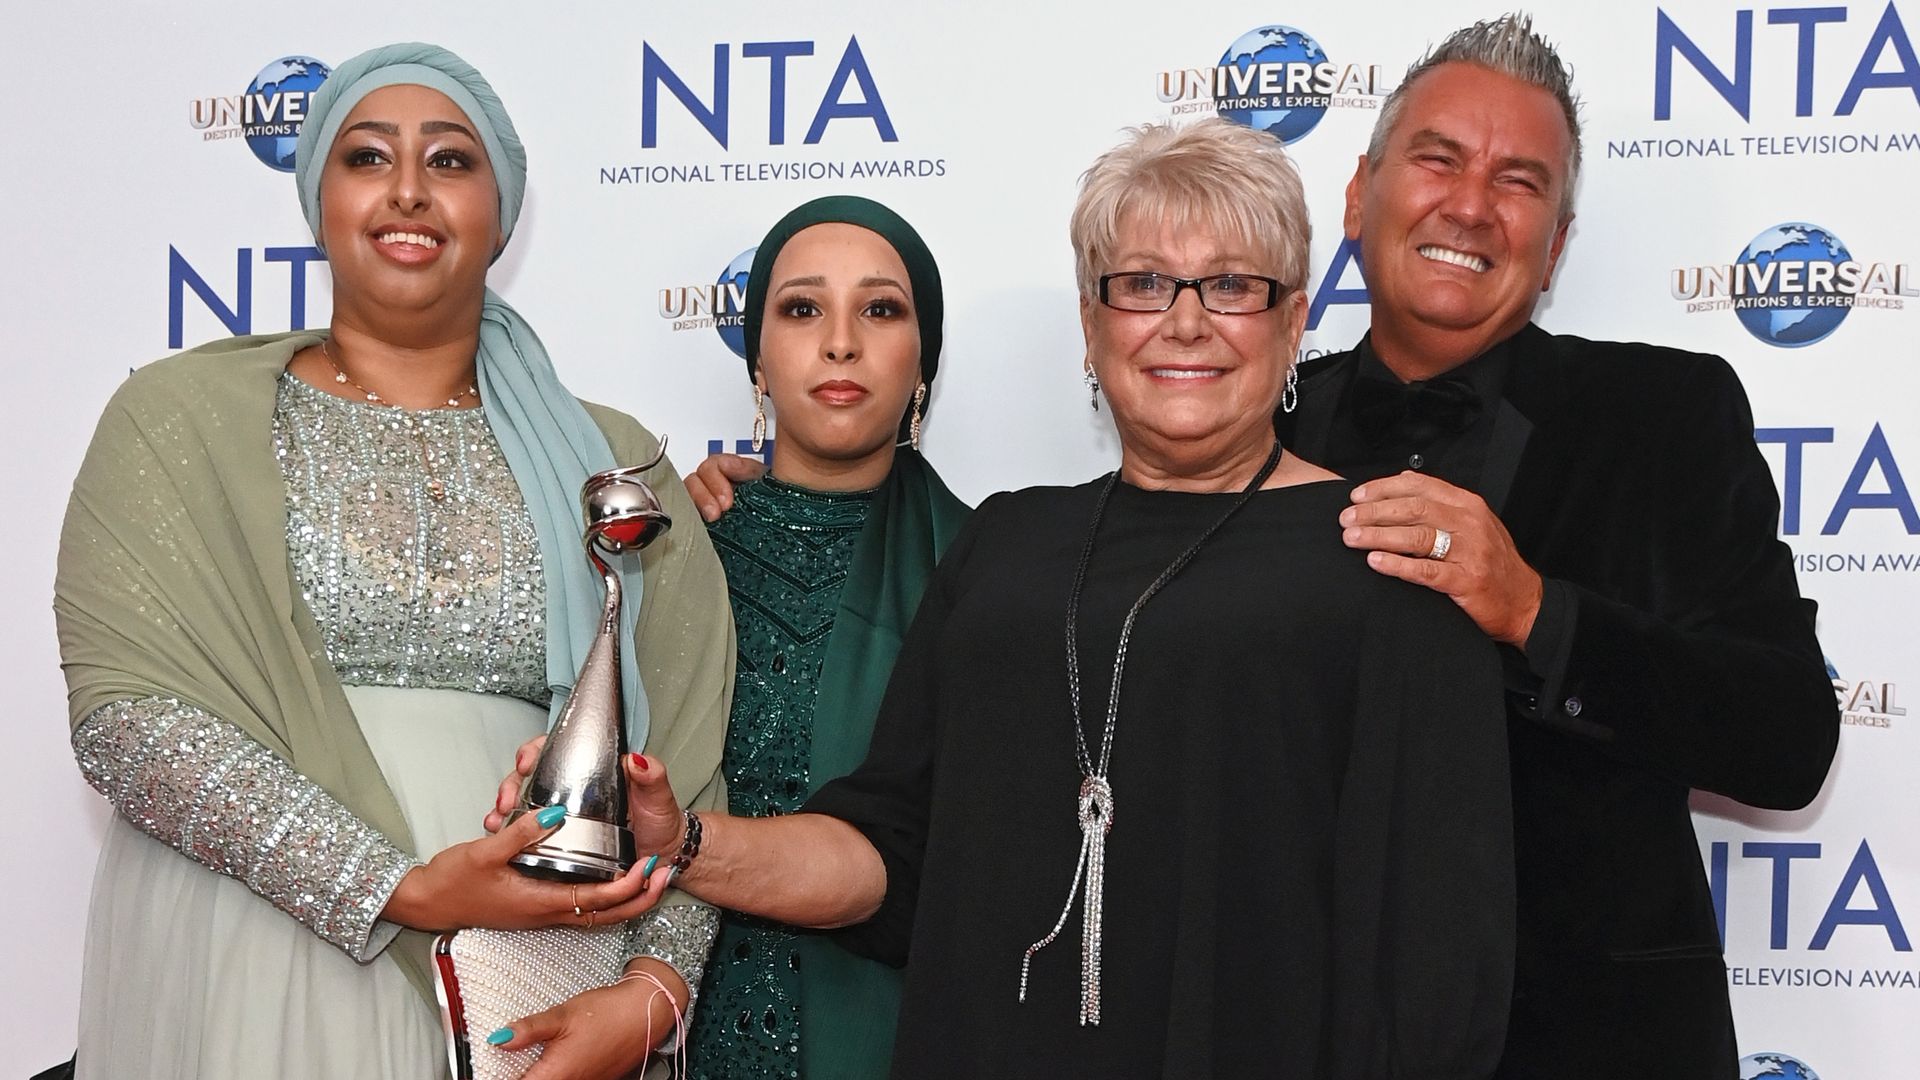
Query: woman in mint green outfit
(313, 590)
(825, 558)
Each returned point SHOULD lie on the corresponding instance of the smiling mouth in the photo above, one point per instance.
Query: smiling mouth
(1454, 258)
(416, 239)
(1186, 373)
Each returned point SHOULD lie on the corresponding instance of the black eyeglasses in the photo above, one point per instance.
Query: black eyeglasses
(1222, 294)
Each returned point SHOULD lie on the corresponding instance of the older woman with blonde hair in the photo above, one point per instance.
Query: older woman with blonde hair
(1166, 781)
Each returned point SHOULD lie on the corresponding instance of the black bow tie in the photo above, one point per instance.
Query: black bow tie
(1415, 410)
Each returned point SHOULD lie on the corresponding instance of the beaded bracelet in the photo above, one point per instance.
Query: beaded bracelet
(689, 847)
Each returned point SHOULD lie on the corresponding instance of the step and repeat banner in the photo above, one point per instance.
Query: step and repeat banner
(1749, 189)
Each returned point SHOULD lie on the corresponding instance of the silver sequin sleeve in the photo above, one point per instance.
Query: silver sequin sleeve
(679, 936)
(209, 791)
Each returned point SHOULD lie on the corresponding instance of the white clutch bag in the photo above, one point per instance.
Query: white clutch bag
(485, 979)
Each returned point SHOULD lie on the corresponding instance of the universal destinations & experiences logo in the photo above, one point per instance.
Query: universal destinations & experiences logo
(1275, 78)
(268, 114)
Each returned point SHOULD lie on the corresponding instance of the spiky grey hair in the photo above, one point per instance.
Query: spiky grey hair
(1509, 46)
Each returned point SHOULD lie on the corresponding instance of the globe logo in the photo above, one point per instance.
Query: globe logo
(1269, 55)
(1790, 310)
(1774, 1067)
(730, 300)
(275, 105)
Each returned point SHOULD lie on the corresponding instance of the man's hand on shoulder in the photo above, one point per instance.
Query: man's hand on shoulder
(711, 485)
(1425, 530)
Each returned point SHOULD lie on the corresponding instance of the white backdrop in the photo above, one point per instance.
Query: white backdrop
(132, 205)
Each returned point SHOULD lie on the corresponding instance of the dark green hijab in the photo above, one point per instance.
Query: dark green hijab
(849, 1005)
(923, 274)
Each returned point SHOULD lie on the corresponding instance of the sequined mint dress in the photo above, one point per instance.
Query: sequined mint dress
(412, 547)
(787, 551)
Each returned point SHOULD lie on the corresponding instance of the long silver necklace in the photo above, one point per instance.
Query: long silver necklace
(1095, 802)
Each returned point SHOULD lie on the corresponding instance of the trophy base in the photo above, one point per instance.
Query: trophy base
(580, 850)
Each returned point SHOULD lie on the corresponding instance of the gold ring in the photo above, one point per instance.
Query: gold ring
(576, 900)
(590, 916)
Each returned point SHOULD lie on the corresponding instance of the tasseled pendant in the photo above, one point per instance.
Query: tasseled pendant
(1096, 819)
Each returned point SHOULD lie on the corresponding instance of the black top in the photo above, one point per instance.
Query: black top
(1310, 871)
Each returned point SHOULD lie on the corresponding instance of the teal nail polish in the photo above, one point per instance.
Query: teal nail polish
(647, 870)
(548, 818)
(500, 1036)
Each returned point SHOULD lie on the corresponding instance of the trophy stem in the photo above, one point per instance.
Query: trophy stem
(580, 766)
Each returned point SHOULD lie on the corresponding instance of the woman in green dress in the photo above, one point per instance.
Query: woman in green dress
(825, 561)
(826, 557)
(314, 587)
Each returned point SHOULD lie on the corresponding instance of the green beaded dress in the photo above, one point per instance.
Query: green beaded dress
(787, 551)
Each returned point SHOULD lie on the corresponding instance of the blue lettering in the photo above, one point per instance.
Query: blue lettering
(1794, 439)
(1852, 498)
(238, 319)
(853, 65)
(776, 53)
(296, 259)
(1806, 19)
(744, 448)
(1330, 291)
(1717, 886)
(654, 72)
(1888, 32)
(1881, 914)
(1668, 39)
(1782, 855)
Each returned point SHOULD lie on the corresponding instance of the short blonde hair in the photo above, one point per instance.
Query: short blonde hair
(1214, 174)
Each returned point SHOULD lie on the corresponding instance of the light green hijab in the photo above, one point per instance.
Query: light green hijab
(548, 439)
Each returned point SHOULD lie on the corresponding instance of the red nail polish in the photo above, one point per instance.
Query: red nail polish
(639, 761)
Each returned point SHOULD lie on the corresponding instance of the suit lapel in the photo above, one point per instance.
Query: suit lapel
(1524, 442)
(1511, 433)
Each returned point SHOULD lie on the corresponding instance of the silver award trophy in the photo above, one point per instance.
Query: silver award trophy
(580, 766)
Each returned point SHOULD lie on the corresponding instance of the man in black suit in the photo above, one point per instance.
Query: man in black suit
(1602, 510)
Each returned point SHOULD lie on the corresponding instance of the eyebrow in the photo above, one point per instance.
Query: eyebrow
(1137, 257)
(1533, 166)
(427, 127)
(817, 281)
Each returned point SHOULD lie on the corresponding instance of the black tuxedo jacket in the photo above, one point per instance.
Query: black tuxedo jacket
(1630, 472)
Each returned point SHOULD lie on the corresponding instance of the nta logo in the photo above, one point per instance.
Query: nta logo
(1734, 82)
(269, 114)
(716, 111)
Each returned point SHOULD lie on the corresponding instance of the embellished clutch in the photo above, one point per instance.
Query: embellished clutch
(485, 979)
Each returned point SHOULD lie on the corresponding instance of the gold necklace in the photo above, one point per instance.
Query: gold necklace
(436, 488)
(340, 376)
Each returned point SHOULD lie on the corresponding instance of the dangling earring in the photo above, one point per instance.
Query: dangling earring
(1290, 396)
(1093, 390)
(913, 426)
(759, 419)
